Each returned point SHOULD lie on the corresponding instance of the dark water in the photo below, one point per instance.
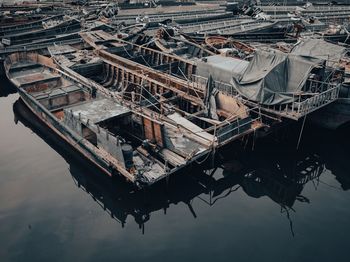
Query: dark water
(271, 204)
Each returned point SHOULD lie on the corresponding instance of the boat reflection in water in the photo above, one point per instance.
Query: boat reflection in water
(6, 89)
(279, 175)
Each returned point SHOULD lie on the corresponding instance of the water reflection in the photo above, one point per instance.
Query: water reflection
(279, 174)
(282, 184)
(6, 89)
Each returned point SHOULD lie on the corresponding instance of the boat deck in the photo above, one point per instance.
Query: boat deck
(24, 65)
(55, 92)
(99, 110)
(38, 77)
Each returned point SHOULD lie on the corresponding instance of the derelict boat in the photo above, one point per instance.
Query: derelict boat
(93, 124)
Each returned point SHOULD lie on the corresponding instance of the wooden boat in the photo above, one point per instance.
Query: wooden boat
(225, 46)
(18, 19)
(145, 132)
(166, 41)
(184, 46)
(29, 26)
(238, 28)
(131, 31)
(220, 42)
(336, 34)
(213, 118)
(274, 180)
(96, 126)
(25, 37)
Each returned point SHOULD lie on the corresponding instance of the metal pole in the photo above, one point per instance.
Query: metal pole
(301, 132)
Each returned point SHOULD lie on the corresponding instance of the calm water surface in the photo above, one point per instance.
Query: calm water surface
(271, 204)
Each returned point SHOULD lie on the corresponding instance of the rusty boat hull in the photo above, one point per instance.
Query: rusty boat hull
(52, 116)
(61, 131)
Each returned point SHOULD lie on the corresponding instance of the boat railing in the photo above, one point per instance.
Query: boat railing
(305, 102)
(314, 95)
(221, 86)
(218, 23)
(184, 16)
(241, 26)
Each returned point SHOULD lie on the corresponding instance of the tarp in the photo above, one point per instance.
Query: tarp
(319, 48)
(272, 76)
(221, 68)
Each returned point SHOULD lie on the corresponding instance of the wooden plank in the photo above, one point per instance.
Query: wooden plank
(194, 129)
(148, 127)
(158, 134)
(173, 158)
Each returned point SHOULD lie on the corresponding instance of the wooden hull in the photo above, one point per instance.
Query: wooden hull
(84, 147)
(49, 33)
(65, 135)
(66, 104)
(6, 29)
